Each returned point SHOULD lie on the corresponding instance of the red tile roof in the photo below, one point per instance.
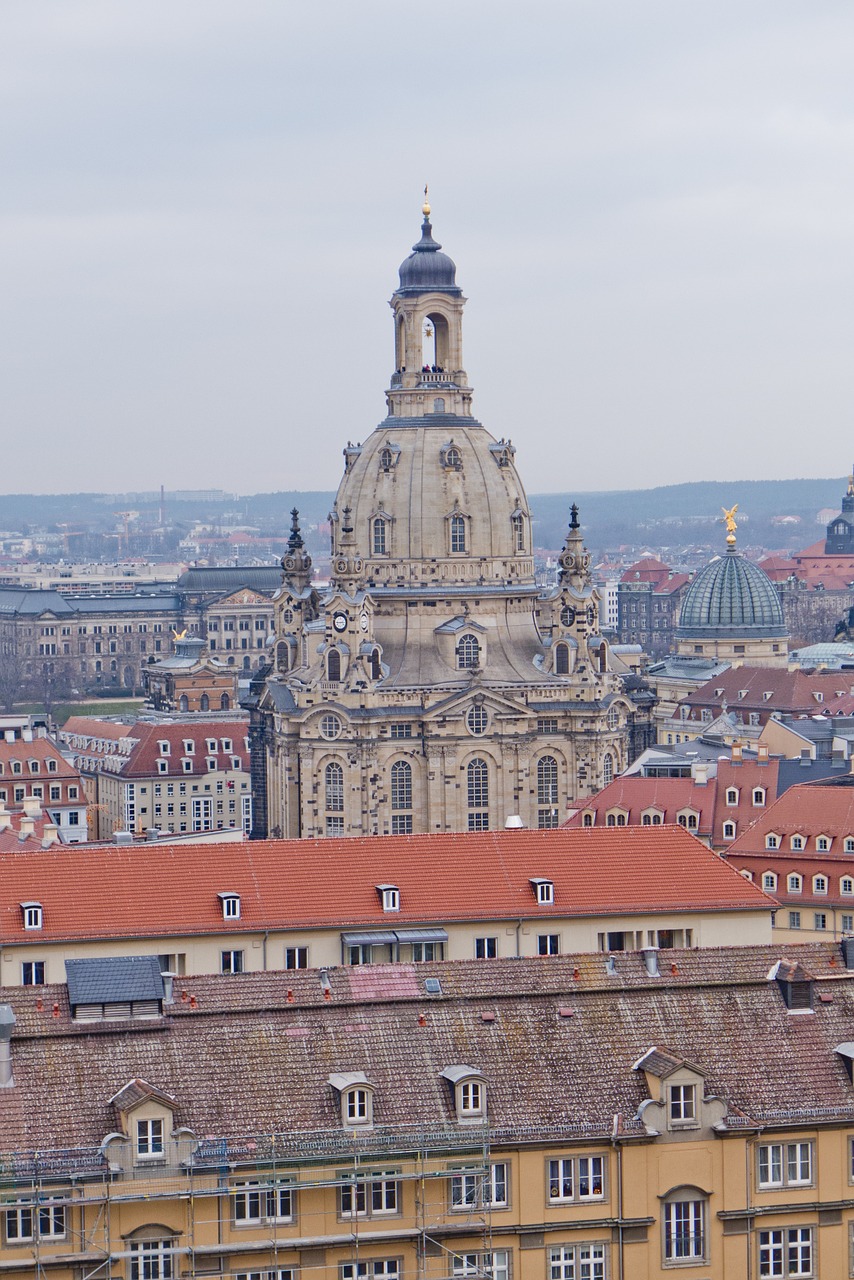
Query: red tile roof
(796, 692)
(635, 794)
(41, 749)
(809, 810)
(142, 745)
(164, 890)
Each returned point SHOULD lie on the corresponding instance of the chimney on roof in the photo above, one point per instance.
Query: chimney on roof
(700, 772)
(50, 835)
(837, 759)
(9, 735)
(650, 959)
(806, 756)
(762, 753)
(152, 833)
(27, 828)
(5, 818)
(737, 753)
(123, 837)
(26, 735)
(513, 822)
(848, 952)
(7, 1022)
(168, 986)
(32, 806)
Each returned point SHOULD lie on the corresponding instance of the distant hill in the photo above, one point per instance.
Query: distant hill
(669, 515)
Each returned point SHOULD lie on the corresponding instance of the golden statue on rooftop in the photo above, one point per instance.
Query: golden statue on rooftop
(179, 635)
(731, 526)
(425, 208)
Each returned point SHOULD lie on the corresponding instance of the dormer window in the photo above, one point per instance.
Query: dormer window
(822, 844)
(729, 831)
(795, 883)
(164, 748)
(772, 841)
(797, 842)
(356, 1096)
(682, 1105)
(819, 884)
(758, 797)
(189, 747)
(150, 1140)
(732, 795)
(389, 896)
(230, 906)
(33, 915)
(187, 766)
(769, 882)
(544, 891)
(469, 1089)
(162, 766)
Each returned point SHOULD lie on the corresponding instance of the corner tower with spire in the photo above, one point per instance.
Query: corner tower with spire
(431, 686)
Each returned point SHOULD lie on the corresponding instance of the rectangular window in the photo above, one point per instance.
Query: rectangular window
(256, 1202)
(32, 973)
(786, 1252)
(231, 961)
(577, 1262)
(400, 730)
(794, 919)
(374, 1269)
(149, 1139)
(480, 1188)
(548, 944)
(151, 1260)
(682, 1102)
(576, 1178)
(819, 920)
(494, 1264)
(401, 824)
(684, 1234)
(785, 1164)
(485, 948)
(296, 957)
(373, 1194)
(45, 1221)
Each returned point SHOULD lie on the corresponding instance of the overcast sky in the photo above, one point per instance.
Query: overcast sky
(204, 204)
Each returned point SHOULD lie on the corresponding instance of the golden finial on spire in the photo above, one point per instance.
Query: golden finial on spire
(851, 486)
(731, 526)
(425, 208)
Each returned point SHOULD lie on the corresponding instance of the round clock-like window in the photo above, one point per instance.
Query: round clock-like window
(567, 616)
(331, 727)
(477, 720)
(339, 621)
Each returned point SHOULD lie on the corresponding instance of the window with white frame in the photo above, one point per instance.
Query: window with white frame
(544, 891)
(577, 1262)
(794, 919)
(576, 1178)
(819, 884)
(231, 961)
(822, 844)
(372, 1269)
(684, 1223)
(479, 1188)
(389, 896)
(150, 1139)
(471, 1098)
(485, 948)
(548, 944)
(682, 1104)
(819, 920)
(296, 957)
(732, 795)
(795, 882)
(772, 841)
(477, 795)
(258, 1202)
(162, 766)
(784, 1164)
(797, 843)
(33, 915)
(729, 831)
(758, 797)
(230, 906)
(357, 1106)
(493, 1264)
(369, 1195)
(769, 881)
(846, 886)
(786, 1252)
(43, 1221)
(151, 1259)
(848, 844)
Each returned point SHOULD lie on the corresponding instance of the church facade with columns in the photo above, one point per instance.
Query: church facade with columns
(432, 686)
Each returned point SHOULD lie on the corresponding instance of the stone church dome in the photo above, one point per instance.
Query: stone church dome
(731, 596)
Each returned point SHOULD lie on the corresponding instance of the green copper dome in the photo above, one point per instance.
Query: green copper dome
(732, 597)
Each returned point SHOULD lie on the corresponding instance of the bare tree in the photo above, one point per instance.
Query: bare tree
(11, 674)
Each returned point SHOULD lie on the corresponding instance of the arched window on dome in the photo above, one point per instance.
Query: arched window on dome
(477, 794)
(375, 665)
(562, 659)
(547, 783)
(282, 657)
(517, 525)
(333, 799)
(380, 536)
(458, 533)
(386, 459)
(607, 769)
(468, 652)
(333, 665)
(401, 798)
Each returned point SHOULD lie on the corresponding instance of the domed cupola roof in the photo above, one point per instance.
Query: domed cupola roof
(427, 269)
(730, 596)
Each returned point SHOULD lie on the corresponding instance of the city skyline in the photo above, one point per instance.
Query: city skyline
(204, 211)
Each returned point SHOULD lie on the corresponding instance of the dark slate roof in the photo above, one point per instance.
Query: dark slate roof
(114, 980)
(32, 601)
(149, 603)
(427, 269)
(264, 578)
